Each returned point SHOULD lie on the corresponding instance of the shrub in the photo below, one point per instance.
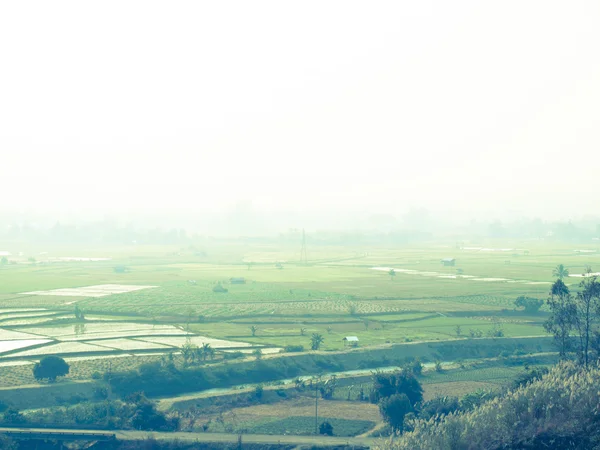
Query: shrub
(258, 391)
(326, 428)
(218, 288)
(13, 416)
(294, 348)
(50, 367)
(439, 406)
(416, 367)
(524, 378)
(529, 304)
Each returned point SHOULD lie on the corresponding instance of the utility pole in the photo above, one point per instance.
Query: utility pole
(108, 389)
(303, 256)
(316, 407)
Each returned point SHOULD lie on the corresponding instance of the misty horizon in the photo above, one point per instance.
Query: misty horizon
(470, 111)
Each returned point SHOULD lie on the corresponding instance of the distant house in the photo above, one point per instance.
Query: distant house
(449, 261)
(237, 280)
(351, 341)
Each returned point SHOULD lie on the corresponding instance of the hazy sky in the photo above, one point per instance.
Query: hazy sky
(317, 105)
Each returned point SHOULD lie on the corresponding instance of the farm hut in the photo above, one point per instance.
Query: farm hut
(351, 341)
(449, 261)
(237, 280)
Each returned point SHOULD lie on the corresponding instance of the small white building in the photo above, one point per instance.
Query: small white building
(351, 341)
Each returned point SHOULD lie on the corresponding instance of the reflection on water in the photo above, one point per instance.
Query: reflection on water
(79, 329)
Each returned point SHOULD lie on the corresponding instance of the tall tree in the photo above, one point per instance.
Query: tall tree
(563, 315)
(401, 382)
(189, 352)
(315, 341)
(394, 408)
(560, 272)
(207, 351)
(588, 305)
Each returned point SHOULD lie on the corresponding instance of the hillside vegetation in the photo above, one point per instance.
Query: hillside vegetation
(560, 411)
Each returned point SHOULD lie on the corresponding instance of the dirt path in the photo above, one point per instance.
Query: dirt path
(129, 435)
(377, 427)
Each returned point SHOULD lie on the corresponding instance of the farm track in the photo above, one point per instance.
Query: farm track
(131, 435)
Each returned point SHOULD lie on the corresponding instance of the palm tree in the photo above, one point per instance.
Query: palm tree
(560, 272)
(315, 341)
(392, 274)
(207, 351)
(299, 383)
(302, 331)
(253, 330)
(188, 352)
(257, 353)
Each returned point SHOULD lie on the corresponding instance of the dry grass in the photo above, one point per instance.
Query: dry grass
(305, 407)
(454, 388)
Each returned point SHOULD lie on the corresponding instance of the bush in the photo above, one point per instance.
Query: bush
(293, 348)
(218, 288)
(524, 378)
(529, 304)
(13, 416)
(258, 391)
(326, 429)
(50, 367)
(416, 367)
(439, 406)
(100, 393)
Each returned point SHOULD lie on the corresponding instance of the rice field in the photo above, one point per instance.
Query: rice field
(7, 346)
(10, 335)
(62, 348)
(128, 344)
(195, 340)
(90, 291)
(168, 292)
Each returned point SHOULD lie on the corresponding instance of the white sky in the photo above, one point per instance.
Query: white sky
(469, 106)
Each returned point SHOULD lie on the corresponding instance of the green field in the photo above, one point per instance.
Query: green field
(336, 294)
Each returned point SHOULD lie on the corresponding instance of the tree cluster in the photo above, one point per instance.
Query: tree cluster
(575, 317)
(192, 354)
(397, 394)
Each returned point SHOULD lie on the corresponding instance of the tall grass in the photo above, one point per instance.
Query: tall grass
(562, 408)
